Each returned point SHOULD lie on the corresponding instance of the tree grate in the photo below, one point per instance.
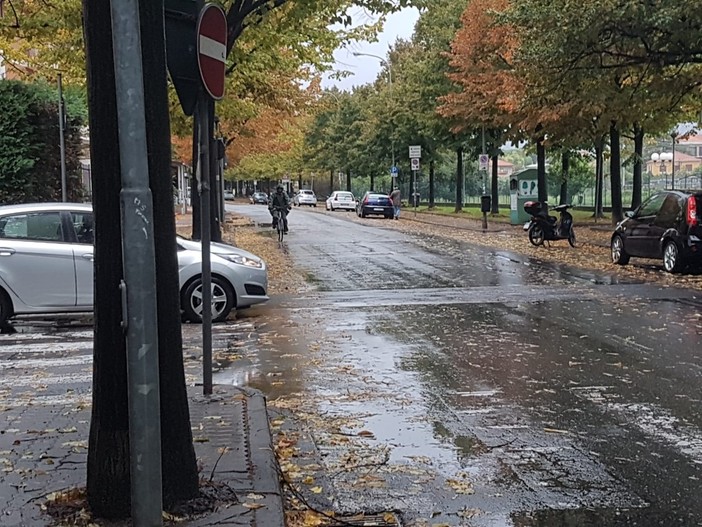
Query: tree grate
(384, 519)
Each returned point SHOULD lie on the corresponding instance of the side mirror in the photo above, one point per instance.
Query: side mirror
(629, 214)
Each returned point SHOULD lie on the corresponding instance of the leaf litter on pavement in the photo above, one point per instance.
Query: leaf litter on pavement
(352, 457)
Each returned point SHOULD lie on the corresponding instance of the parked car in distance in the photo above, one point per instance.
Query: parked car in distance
(46, 265)
(341, 200)
(305, 197)
(229, 195)
(373, 203)
(666, 226)
(259, 198)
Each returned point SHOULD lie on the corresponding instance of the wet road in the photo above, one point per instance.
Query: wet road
(494, 390)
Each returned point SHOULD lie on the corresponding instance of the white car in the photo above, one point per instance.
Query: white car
(341, 200)
(46, 265)
(305, 197)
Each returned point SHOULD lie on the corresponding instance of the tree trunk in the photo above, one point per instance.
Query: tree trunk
(565, 168)
(348, 179)
(432, 169)
(459, 179)
(108, 483)
(372, 182)
(599, 177)
(108, 477)
(637, 183)
(541, 170)
(494, 189)
(331, 181)
(615, 173)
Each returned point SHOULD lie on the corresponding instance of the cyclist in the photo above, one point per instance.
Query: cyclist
(281, 202)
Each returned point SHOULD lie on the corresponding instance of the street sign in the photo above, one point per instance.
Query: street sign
(212, 49)
(415, 152)
(181, 51)
(415, 163)
(484, 160)
(393, 171)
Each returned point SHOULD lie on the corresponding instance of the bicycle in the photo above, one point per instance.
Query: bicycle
(280, 224)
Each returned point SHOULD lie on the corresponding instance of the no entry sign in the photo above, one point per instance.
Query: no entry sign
(212, 49)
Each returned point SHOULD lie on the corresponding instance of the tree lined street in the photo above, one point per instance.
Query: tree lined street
(426, 373)
(465, 385)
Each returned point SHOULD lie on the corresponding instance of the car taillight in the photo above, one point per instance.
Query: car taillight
(691, 211)
(365, 201)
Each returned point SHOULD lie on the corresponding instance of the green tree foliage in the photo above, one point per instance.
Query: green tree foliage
(30, 160)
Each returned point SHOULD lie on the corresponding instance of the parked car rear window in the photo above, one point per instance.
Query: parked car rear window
(43, 226)
(669, 211)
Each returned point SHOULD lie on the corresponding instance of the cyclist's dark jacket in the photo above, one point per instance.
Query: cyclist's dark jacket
(280, 200)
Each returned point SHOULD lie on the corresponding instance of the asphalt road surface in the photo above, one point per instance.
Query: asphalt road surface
(557, 396)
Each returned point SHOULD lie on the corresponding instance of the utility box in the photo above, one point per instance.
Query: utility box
(523, 187)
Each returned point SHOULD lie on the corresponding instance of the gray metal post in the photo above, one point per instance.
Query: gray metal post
(62, 141)
(139, 311)
(204, 128)
(673, 136)
(483, 152)
(414, 191)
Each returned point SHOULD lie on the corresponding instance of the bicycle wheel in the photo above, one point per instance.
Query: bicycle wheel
(281, 229)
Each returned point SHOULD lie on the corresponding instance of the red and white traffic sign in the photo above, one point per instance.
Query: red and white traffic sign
(212, 49)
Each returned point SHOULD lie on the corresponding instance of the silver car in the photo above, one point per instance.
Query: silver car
(305, 197)
(46, 265)
(341, 200)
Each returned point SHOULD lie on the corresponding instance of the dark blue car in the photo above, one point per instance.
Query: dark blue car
(373, 203)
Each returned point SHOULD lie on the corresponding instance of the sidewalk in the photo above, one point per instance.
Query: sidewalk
(43, 449)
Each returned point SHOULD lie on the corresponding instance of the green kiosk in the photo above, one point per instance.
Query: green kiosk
(523, 187)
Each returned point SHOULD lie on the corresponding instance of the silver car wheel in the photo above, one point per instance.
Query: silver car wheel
(222, 301)
(671, 258)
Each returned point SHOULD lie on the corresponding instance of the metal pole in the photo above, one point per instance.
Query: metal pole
(62, 141)
(392, 131)
(205, 126)
(485, 171)
(414, 191)
(672, 170)
(139, 261)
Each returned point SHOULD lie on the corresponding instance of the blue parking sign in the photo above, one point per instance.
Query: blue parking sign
(393, 170)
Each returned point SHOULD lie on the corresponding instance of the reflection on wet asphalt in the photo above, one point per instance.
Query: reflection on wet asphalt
(564, 397)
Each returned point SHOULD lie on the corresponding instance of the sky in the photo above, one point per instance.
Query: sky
(365, 69)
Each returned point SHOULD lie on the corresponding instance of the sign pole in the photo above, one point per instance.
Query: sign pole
(203, 168)
(414, 189)
(211, 58)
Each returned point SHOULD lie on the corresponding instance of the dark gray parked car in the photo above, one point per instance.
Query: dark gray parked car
(666, 226)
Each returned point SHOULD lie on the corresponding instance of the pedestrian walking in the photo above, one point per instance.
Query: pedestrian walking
(396, 202)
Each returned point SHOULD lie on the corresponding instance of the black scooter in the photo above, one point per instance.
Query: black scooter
(543, 227)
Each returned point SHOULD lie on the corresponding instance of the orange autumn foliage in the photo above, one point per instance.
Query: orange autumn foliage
(481, 57)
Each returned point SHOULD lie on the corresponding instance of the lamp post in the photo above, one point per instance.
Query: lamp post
(673, 136)
(62, 141)
(384, 61)
(663, 157)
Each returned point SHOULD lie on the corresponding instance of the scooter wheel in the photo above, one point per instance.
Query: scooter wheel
(571, 238)
(536, 235)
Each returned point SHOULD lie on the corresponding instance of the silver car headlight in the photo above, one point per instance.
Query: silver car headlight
(243, 260)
